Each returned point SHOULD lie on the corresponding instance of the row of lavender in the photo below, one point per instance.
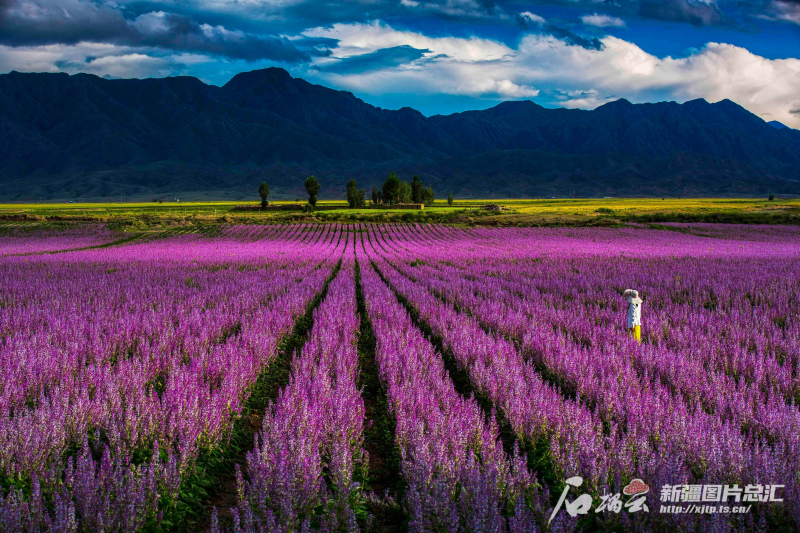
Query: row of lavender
(301, 473)
(309, 450)
(121, 365)
(29, 238)
(733, 349)
(459, 478)
(711, 396)
(152, 347)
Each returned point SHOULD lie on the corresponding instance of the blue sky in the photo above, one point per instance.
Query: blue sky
(437, 56)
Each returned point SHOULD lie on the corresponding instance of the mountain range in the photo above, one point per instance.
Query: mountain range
(64, 136)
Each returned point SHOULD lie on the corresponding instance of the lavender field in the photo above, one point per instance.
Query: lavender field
(22, 240)
(368, 377)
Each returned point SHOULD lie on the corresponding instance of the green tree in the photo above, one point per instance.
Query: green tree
(352, 194)
(771, 197)
(390, 189)
(376, 195)
(428, 197)
(362, 197)
(416, 190)
(404, 193)
(263, 192)
(450, 198)
(313, 188)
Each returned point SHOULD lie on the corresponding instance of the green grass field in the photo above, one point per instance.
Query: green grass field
(542, 212)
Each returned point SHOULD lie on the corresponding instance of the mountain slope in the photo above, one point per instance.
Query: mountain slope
(66, 135)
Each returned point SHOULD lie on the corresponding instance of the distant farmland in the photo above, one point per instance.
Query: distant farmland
(534, 212)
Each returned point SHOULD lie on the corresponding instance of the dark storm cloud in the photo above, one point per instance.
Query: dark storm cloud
(255, 32)
(380, 59)
(559, 30)
(40, 22)
(299, 16)
(236, 34)
(318, 43)
(572, 38)
(694, 12)
(459, 8)
(312, 13)
(178, 32)
(60, 22)
(787, 10)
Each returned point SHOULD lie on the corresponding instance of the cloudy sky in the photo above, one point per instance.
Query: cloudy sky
(438, 56)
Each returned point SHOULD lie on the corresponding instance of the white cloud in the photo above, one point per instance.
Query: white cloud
(453, 65)
(152, 23)
(541, 67)
(602, 21)
(532, 17)
(129, 65)
(570, 76)
(622, 69)
(357, 39)
(788, 11)
(93, 58)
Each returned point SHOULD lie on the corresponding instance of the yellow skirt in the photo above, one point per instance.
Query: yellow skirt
(636, 333)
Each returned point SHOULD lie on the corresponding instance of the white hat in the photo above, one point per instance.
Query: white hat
(633, 296)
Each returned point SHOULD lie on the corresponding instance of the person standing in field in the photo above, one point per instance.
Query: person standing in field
(634, 314)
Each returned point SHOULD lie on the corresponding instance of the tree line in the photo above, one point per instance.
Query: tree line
(397, 191)
(394, 191)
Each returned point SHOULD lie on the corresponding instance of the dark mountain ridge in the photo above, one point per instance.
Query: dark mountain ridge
(64, 135)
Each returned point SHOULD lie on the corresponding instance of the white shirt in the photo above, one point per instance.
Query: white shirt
(634, 315)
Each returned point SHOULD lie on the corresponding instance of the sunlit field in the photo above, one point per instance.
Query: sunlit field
(373, 377)
(574, 212)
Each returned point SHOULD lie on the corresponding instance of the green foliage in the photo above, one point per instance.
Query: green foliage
(450, 198)
(312, 188)
(263, 192)
(404, 193)
(733, 217)
(355, 197)
(771, 197)
(186, 512)
(147, 221)
(391, 188)
(428, 196)
(352, 194)
(416, 190)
